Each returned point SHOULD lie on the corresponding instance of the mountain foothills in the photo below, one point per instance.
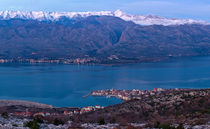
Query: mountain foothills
(100, 37)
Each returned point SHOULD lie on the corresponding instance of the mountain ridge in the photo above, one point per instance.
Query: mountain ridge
(144, 20)
(100, 39)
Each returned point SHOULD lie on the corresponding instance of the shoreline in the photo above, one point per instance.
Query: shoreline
(97, 63)
(5, 102)
(96, 93)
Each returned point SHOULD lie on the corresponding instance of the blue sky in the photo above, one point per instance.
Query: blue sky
(196, 9)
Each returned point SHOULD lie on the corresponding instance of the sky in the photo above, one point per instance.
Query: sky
(194, 9)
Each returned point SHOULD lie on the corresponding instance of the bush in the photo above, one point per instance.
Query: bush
(163, 126)
(39, 119)
(5, 115)
(166, 126)
(75, 126)
(32, 124)
(157, 124)
(58, 122)
(131, 127)
(180, 126)
(113, 120)
(101, 121)
(15, 125)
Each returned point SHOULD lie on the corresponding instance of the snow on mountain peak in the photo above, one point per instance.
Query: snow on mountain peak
(138, 19)
(119, 13)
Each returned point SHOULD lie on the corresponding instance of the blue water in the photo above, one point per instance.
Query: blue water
(64, 85)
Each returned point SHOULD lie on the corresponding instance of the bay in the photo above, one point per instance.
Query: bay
(64, 85)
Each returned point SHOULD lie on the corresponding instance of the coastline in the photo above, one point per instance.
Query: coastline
(108, 63)
(81, 61)
(21, 112)
(125, 95)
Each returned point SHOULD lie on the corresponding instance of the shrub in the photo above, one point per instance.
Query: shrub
(157, 124)
(75, 126)
(101, 121)
(58, 122)
(15, 125)
(5, 115)
(39, 119)
(131, 127)
(180, 126)
(166, 126)
(113, 120)
(163, 126)
(32, 124)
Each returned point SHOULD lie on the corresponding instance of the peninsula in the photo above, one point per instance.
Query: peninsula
(157, 108)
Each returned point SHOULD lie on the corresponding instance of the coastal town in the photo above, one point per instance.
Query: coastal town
(86, 60)
(17, 114)
(33, 112)
(127, 94)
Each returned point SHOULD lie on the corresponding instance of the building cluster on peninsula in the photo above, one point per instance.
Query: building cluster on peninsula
(127, 94)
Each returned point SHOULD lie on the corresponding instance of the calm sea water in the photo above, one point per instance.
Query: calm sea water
(64, 85)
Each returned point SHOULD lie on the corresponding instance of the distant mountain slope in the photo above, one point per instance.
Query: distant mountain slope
(107, 38)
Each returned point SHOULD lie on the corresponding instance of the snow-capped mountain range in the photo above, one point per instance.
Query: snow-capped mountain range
(138, 19)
